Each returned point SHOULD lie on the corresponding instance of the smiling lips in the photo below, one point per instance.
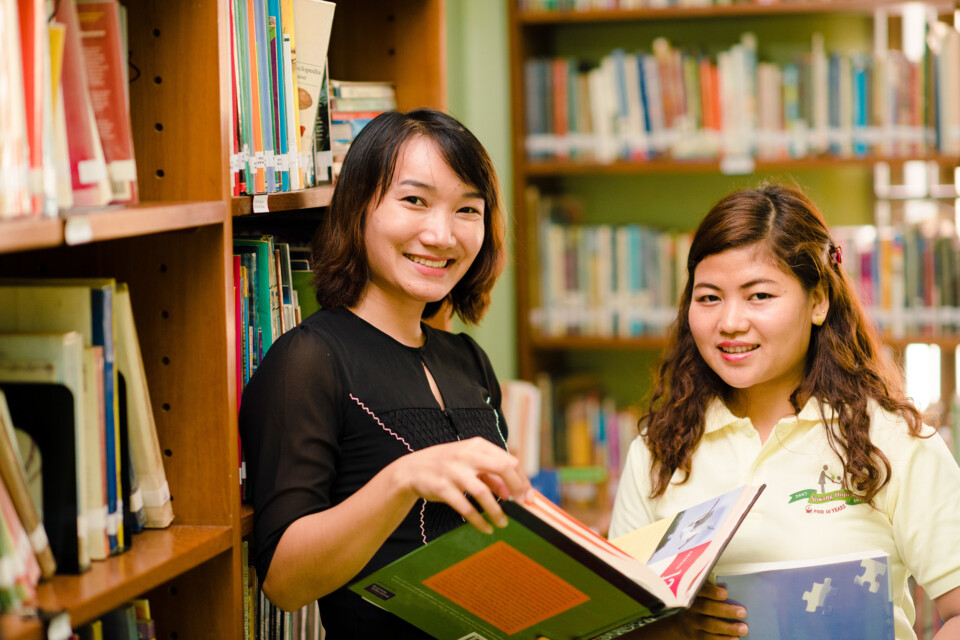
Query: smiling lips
(433, 264)
(737, 349)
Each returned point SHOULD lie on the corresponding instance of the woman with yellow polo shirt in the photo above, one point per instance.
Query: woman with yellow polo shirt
(774, 375)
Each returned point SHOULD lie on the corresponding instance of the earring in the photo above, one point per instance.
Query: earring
(819, 319)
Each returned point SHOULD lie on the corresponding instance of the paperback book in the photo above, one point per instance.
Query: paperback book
(547, 575)
(845, 596)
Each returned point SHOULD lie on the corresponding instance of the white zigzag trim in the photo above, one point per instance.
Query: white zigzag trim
(382, 426)
(423, 507)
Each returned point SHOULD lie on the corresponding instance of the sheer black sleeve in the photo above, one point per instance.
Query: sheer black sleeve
(289, 426)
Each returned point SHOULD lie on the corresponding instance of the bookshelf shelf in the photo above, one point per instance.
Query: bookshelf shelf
(290, 201)
(156, 557)
(142, 219)
(107, 224)
(545, 344)
(771, 8)
(30, 233)
(246, 520)
(552, 168)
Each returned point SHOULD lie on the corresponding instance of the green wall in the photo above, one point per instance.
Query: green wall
(478, 81)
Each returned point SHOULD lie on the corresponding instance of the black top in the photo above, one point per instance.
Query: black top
(336, 400)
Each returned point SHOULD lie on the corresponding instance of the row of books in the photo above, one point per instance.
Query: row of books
(353, 104)
(292, 124)
(604, 280)
(682, 103)
(608, 5)
(624, 280)
(132, 621)
(271, 290)
(908, 276)
(263, 620)
(80, 461)
(279, 71)
(65, 133)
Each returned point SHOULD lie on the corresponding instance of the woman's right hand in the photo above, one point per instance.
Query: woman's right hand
(446, 472)
(709, 618)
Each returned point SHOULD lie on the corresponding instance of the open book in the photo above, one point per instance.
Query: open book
(547, 575)
(846, 596)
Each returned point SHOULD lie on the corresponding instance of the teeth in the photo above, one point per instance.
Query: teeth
(435, 264)
(737, 349)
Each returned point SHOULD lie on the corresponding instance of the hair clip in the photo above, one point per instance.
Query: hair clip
(836, 254)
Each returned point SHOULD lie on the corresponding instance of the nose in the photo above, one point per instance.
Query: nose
(733, 318)
(437, 230)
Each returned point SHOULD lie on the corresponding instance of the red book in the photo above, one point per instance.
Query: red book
(259, 161)
(88, 170)
(104, 61)
(33, 29)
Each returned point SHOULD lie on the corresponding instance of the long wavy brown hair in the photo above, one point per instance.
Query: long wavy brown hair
(843, 369)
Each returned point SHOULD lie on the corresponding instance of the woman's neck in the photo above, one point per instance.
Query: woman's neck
(765, 410)
(400, 322)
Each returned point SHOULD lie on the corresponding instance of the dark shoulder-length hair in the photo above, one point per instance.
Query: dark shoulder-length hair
(844, 367)
(339, 256)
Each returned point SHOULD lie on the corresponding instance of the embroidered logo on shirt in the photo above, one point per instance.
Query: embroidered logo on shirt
(817, 501)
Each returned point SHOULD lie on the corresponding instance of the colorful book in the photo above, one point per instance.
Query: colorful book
(84, 305)
(846, 596)
(13, 474)
(145, 454)
(105, 61)
(88, 168)
(266, 285)
(547, 575)
(14, 145)
(45, 412)
(61, 358)
(314, 22)
(33, 44)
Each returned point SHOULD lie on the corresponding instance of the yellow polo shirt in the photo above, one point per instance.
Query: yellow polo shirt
(916, 519)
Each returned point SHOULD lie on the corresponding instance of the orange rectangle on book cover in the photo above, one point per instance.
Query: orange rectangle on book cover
(506, 588)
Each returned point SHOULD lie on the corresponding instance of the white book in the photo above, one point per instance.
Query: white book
(313, 20)
(63, 351)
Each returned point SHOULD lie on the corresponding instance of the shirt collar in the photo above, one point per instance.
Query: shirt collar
(717, 416)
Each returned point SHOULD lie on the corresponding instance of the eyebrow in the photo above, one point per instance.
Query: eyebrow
(429, 187)
(745, 285)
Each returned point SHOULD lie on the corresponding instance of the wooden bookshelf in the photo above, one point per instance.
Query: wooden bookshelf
(737, 10)
(546, 33)
(313, 198)
(553, 168)
(175, 251)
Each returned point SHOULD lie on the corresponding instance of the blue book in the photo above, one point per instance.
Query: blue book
(837, 597)
(275, 35)
(265, 76)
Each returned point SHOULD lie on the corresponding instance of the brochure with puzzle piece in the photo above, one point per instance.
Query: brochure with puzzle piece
(846, 596)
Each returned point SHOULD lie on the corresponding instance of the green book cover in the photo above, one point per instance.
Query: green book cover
(547, 575)
(267, 290)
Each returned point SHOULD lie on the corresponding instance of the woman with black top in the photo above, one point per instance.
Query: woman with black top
(365, 429)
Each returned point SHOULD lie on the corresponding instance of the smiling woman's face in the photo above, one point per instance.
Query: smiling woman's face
(426, 232)
(752, 321)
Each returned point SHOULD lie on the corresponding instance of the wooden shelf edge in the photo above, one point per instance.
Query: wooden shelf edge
(288, 201)
(20, 234)
(109, 223)
(550, 168)
(531, 18)
(156, 557)
(246, 520)
(145, 218)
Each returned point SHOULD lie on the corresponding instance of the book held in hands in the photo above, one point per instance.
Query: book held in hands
(846, 596)
(547, 575)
